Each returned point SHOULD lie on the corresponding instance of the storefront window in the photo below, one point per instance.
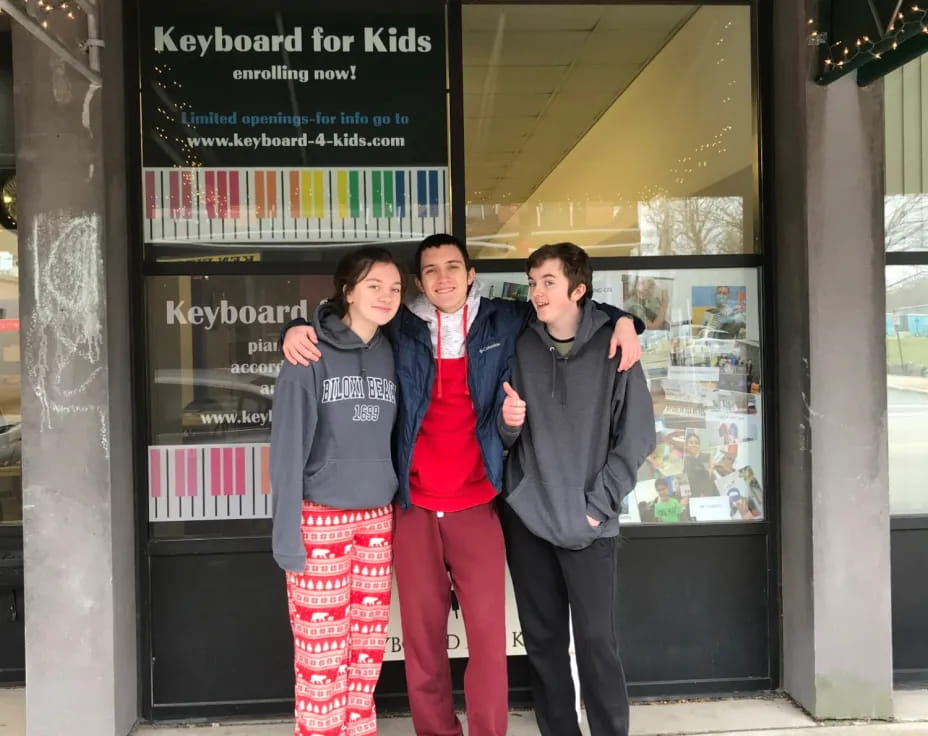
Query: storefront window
(906, 328)
(907, 386)
(11, 488)
(702, 356)
(627, 129)
(578, 124)
(213, 364)
(906, 137)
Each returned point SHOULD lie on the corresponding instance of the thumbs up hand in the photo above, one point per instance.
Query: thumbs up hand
(513, 407)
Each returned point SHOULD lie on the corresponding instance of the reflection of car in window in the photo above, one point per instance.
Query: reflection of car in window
(226, 408)
(10, 442)
(11, 495)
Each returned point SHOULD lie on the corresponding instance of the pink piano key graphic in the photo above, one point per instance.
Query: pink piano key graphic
(228, 455)
(215, 471)
(154, 472)
(187, 193)
(209, 473)
(266, 470)
(239, 471)
(180, 474)
(193, 488)
(222, 184)
(211, 195)
(234, 201)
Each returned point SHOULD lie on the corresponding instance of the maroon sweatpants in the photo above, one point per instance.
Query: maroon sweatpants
(470, 542)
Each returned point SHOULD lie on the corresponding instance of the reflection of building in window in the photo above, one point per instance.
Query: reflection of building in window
(514, 230)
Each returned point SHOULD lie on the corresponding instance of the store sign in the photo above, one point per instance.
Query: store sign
(293, 122)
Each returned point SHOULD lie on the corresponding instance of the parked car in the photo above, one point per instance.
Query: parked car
(226, 408)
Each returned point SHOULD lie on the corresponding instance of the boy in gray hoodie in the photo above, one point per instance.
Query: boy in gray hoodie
(577, 431)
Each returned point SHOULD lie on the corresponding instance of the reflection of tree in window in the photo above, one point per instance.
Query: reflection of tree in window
(692, 226)
(905, 221)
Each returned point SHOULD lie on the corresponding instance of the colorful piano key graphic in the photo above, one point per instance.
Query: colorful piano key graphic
(293, 205)
(202, 482)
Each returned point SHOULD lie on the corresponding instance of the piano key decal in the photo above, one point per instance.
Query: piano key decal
(210, 205)
(202, 482)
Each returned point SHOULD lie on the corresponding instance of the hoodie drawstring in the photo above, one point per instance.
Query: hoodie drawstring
(438, 350)
(553, 351)
(556, 360)
(466, 385)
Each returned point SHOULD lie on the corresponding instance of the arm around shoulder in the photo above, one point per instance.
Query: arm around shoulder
(615, 314)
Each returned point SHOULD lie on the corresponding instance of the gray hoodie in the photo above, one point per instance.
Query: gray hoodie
(330, 434)
(587, 431)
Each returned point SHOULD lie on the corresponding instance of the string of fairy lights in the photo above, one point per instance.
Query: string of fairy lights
(42, 10)
(171, 109)
(686, 166)
(907, 23)
(45, 11)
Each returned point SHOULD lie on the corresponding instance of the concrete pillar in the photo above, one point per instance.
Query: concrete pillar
(827, 209)
(80, 558)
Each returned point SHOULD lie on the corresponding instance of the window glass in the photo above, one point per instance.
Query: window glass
(906, 231)
(906, 137)
(11, 487)
(627, 129)
(702, 357)
(213, 361)
(907, 387)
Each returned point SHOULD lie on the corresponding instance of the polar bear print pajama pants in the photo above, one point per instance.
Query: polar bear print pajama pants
(339, 607)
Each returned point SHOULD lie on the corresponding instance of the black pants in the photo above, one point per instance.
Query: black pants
(546, 580)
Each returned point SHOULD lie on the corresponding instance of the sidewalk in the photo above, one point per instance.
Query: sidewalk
(918, 384)
(770, 716)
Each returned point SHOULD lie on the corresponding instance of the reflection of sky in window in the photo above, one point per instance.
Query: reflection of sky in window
(896, 276)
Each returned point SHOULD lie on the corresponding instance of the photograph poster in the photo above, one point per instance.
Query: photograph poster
(719, 311)
(649, 298)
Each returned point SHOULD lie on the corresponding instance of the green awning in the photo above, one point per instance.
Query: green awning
(872, 37)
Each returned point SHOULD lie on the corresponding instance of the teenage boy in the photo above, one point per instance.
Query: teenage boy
(578, 432)
(452, 351)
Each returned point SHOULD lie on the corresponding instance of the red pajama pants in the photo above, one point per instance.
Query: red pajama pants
(339, 607)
